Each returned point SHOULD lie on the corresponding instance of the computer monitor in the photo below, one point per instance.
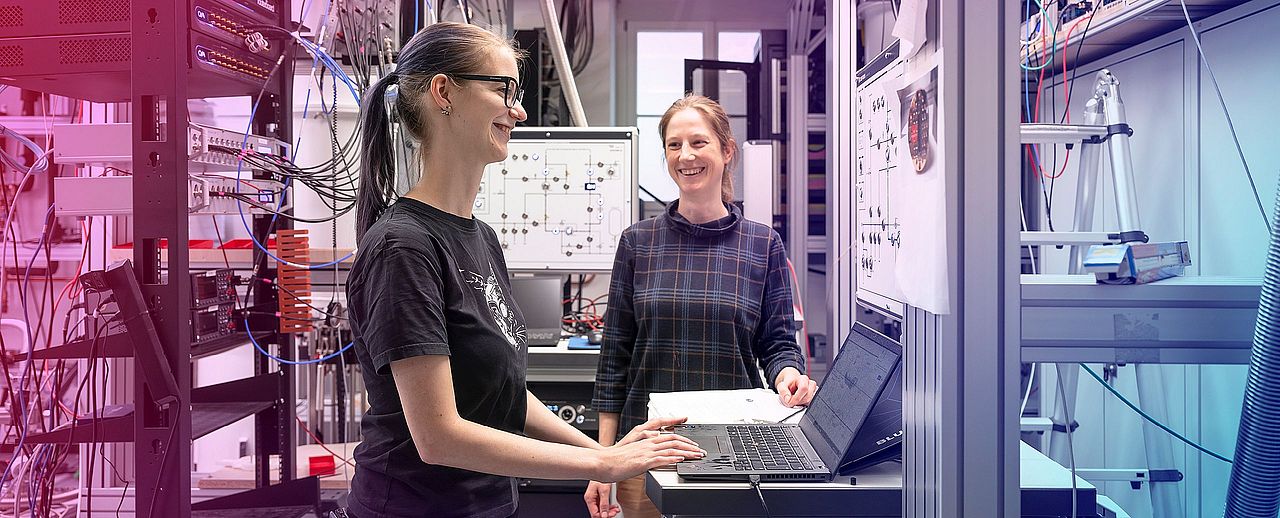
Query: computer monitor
(539, 300)
(120, 280)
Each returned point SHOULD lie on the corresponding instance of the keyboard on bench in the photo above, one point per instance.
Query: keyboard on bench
(766, 448)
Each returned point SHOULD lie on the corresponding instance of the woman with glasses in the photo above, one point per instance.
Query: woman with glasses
(441, 345)
(699, 299)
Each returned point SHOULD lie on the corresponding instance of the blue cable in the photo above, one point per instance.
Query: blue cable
(41, 163)
(294, 362)
(337, 73)
(306, 103)
(1150, 419)
(1048, 25)
(280, 203)
(43, 454)
(26, 280)
(26, 371)
(330, 64)
(324, 22)
(22, 436)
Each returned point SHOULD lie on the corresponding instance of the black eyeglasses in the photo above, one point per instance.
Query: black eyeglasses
(512, 93)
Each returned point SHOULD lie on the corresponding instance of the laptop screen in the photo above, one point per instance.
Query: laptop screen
(539, 301)
(858, 376)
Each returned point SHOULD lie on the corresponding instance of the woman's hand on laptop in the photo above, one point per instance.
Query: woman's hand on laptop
(623, 461)
(651, 428)
(794, 389)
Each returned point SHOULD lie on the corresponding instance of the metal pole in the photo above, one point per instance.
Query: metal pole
(1108, 90)
(1069, 373)
(1086, 184)
(1166, 498)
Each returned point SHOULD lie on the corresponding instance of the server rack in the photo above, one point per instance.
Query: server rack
(153, 54)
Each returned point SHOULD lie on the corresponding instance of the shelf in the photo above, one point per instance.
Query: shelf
(226, 343)
(1182, 320)
(58, 253)
(207, 417)
(816, 122)
(112, 428)
(212, 408)
(117, 345)
(216, 406)
(265, 388)
(292, 498)
(1118, 26)
(276, 511)
(816, 244)
(241, 258)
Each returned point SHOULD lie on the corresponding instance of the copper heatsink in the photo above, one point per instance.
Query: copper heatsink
(295, 282)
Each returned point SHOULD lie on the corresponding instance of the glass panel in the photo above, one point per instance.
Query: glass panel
(729, 89)
(733, 94)
(653, 166)
(737, 46)
(660, 68)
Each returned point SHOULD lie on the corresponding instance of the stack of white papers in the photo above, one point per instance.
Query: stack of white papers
(722, 406)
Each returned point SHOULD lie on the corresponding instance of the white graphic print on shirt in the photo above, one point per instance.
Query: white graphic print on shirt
(503, 315)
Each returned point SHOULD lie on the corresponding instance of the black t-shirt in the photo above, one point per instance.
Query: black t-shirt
(429, 282)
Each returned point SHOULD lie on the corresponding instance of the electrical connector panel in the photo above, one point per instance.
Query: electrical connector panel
(201, 138)
(112, 144)
(212, 194)
(229, 21)
(208, 195)
(218, 57)
(383, 22)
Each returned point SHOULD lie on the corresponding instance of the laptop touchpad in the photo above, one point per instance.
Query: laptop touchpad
(712, 444)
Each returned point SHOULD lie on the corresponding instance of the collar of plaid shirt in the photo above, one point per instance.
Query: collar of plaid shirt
(708, 229)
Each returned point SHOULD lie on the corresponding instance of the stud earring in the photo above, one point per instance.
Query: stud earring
(446, 110)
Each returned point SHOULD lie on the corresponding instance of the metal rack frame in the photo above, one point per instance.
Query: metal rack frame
(160, 88)
(962, 369)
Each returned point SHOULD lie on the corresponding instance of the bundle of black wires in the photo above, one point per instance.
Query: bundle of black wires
(578, 29)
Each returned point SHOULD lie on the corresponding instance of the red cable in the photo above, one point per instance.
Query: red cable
(1066, 92)
(1035, 113)
(307, 429)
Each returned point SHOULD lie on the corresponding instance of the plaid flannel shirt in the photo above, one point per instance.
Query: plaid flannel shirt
(694, 307)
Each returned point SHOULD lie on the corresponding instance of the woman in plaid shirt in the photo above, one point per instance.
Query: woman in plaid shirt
(700, 297)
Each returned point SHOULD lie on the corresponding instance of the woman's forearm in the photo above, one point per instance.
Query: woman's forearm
(475, 447)
(540, 423)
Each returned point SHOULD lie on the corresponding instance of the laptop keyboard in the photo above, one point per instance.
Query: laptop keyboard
(766, 448)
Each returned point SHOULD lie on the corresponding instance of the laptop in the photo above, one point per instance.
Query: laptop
(854, 421)
(539, 301)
